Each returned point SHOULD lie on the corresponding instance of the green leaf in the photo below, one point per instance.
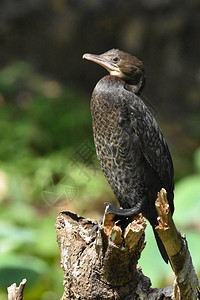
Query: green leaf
(187, 200)
(13, 268)
(13, 237)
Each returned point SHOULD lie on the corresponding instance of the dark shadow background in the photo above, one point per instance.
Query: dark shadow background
(45, 121)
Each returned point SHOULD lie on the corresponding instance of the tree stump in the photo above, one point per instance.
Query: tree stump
(104, 265)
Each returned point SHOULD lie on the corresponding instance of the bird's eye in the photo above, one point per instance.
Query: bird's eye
(115, 59)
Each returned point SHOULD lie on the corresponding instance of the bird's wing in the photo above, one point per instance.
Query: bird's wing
(152, 142)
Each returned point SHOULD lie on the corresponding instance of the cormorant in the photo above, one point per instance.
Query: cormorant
(130, 146)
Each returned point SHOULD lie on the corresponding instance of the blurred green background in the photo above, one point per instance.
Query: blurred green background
(47, 157)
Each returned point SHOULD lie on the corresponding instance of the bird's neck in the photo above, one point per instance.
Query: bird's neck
(130, 84)
(131, 88)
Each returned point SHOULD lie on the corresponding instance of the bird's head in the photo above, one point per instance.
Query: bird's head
(123, 65)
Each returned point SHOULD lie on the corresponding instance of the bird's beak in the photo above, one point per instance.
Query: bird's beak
(101, 61)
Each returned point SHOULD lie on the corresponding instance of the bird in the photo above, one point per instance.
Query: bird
(130, 145)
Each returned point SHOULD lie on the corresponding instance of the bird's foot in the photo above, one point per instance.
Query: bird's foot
(122, 212)
(122, 216)
(112, 209)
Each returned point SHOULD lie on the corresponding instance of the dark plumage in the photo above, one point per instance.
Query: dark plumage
(130, 146)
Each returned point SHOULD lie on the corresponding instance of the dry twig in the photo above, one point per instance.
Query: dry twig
(186, 280)
(16, 293)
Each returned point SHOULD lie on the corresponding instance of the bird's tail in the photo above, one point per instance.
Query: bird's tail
(161, 247)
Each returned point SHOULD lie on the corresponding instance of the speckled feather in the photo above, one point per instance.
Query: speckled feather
(130, 147)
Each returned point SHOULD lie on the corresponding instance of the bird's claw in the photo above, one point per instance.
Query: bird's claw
(109, 208)
(112, 209)
(95, 227)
